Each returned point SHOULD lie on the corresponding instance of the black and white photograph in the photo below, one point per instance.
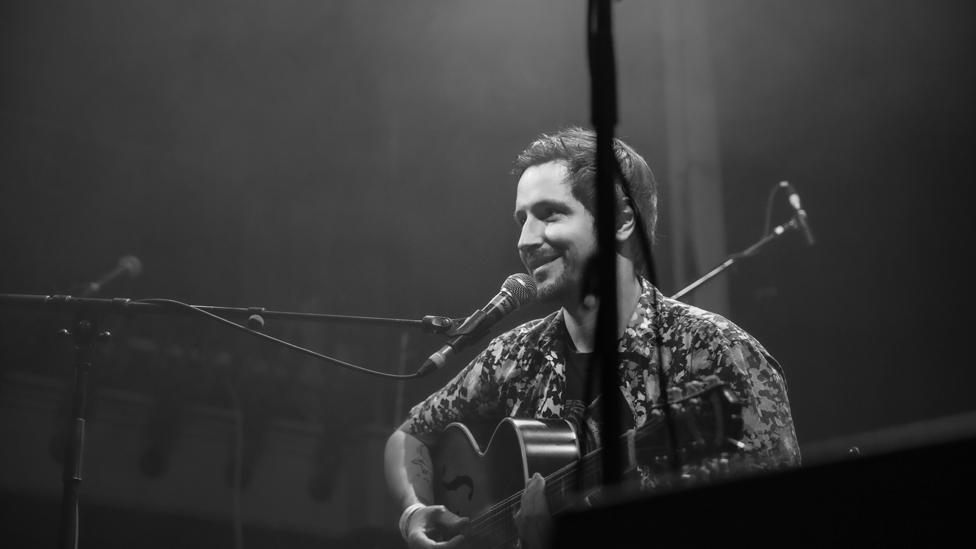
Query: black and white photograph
(521, 274)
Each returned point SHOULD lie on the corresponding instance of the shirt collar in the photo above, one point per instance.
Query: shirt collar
(639, 328)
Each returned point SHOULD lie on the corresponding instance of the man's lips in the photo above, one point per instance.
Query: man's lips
(536, 262)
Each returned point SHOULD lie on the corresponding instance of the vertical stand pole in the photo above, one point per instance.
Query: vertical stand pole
(84, 336)
(604, 107)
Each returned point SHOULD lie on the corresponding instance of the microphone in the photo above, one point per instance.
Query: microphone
(128, 265)
(801, 214)
(517, 290)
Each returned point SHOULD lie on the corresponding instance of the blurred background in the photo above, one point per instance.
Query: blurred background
(353, 158)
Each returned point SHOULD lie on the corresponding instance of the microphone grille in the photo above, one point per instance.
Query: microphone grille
(521, 287)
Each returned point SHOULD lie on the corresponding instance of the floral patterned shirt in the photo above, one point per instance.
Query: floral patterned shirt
(522, 373)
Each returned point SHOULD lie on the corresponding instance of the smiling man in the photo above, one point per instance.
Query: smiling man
(538, 370)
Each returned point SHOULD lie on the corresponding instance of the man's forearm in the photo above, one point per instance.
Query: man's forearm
(409, 469)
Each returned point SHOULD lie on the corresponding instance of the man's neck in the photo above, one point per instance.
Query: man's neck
(581, 319)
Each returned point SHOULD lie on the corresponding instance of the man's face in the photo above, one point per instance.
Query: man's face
(558, 236)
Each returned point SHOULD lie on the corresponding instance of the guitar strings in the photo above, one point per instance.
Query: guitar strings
(589, 464)
(500, 511)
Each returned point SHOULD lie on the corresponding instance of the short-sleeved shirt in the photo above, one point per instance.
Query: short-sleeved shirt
(523, 373)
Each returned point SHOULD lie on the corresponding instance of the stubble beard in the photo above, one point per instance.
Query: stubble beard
(563, 290)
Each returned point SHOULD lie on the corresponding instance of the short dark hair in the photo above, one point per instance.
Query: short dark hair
(575, 147)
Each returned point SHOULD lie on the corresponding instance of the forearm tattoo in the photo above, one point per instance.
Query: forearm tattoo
(421, 467)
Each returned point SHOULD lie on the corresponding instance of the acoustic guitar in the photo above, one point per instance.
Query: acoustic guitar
(487, 485)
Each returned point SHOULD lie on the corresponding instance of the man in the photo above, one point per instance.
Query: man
(538, 369)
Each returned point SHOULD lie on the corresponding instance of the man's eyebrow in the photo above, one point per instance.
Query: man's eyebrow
(551, 203)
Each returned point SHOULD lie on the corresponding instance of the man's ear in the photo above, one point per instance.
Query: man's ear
(626, 222)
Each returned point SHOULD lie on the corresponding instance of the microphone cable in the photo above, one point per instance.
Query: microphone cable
(272, 339)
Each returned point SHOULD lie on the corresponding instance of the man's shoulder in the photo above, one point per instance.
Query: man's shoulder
(689, 329)
(683, 320)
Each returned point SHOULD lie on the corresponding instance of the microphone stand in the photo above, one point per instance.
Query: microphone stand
(777, 232)
(86, 336)
(603, 103)
(128, 307)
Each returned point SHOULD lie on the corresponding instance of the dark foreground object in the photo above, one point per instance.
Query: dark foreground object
(916, 495)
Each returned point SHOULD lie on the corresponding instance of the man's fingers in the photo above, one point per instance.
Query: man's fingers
(419, 540)
(452, 521)
(533, 519)
(448, 520)
(456, 541)
(438, 521)
(534, 498)
(536, 484)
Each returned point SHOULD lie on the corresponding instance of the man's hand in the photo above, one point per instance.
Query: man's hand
(436, 521)
(533, 520)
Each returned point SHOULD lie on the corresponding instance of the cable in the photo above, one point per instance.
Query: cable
(266, 337)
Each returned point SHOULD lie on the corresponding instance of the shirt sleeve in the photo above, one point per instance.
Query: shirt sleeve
(767, 423)
(472, 394)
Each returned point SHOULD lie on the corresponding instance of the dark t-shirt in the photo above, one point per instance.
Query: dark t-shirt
(579, 375)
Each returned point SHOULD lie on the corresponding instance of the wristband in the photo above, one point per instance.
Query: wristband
(405, 517)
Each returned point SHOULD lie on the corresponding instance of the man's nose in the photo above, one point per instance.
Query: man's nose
(531, 235)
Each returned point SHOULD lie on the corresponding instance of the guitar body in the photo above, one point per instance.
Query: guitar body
(487, 485)
(468, 480)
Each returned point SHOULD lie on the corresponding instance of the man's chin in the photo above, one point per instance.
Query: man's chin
(544, 293)
(557, 291)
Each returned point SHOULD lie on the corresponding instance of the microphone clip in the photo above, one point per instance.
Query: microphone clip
(469, 325)
(432, 324)
(452, 327)
(799, 220)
